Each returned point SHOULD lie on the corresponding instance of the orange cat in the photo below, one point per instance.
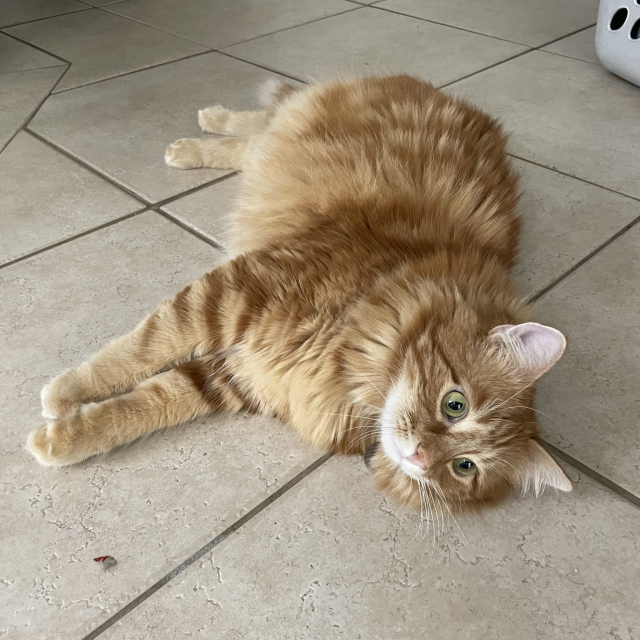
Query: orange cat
(369, 304)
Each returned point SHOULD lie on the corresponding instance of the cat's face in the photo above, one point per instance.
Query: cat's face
(458, 418)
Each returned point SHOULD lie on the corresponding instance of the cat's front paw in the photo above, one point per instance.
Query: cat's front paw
(62, 396)
(184, 154)
(54, 445)
(214, 119)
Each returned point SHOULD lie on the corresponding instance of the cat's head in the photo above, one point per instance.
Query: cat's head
(458, 418)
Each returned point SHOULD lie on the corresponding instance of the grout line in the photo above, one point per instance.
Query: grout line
(564, 55)
(478, 33)
(255, 64)
(302, 24)
(27, 122)
(444, 24)
(189, 229)
(566, 35)
(19, 24)
(104, 9)
(74, 237)
(207, 547)
(491, 66)
(536, 296)
(89, 167)
(538, 48)
(570, 175)
(594, 475)
(102, 5)
(129, 73)
(264, 35)
(148, 207)
(35, 46)
(188, 192)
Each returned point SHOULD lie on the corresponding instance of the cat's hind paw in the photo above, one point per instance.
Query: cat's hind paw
(184, 154)
(214, 119)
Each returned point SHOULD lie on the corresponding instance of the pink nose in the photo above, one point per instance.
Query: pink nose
(419, 457)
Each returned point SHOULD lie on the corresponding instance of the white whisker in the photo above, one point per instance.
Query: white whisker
(437, 487)
(369, 379)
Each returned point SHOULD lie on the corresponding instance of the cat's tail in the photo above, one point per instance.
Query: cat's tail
(273, 92)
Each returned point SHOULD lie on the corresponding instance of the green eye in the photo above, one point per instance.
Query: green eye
(464, 467)
(454, 405)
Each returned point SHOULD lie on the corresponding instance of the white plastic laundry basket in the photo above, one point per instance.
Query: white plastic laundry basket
(618, 38)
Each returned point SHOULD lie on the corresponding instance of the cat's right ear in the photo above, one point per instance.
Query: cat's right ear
(541, 470)
(534, 348)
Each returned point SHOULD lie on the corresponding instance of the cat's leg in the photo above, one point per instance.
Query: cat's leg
(182, 328)
(212, 153)
(219, 119)
(190, 390)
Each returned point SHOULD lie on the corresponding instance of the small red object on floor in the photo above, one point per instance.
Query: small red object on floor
(106, 562)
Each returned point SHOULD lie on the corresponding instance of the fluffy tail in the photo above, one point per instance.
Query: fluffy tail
(273, 92)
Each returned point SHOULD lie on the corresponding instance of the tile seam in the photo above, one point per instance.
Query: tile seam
(214, 542)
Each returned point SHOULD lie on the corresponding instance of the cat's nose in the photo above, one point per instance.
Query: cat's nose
(419, 457)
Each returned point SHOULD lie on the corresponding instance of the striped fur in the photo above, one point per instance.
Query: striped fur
(373, 240)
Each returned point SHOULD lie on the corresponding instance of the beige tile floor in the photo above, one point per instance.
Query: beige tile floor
(231, 527)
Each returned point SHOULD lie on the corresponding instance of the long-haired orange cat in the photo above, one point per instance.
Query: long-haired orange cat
(368, 306)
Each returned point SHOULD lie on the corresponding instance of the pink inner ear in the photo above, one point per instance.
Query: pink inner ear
(535, 346)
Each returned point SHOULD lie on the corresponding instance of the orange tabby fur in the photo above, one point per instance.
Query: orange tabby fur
(374, 237)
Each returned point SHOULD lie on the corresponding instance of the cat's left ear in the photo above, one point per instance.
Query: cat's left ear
(541, 470)
(533, 347)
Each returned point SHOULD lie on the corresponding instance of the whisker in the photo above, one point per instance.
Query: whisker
(360, 440)
(491, 408)
(421, 510)
(436, 530)
(342, 415)
(406, 498)
(439, 489)
(369, 405)
(546, 415)
(369, 379)
(387, 372)
(439, 501)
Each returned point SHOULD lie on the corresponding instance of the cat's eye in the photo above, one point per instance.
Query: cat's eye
(454, 405)
(464, 467)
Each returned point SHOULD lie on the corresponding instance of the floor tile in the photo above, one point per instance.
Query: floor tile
(375, 42)
(564, 219)
(17, 56)
(102, 3)
(46, 198)
(332, 559)
(208, 210)
(150, 505)
(87, 40)
(591, 397)
(565, 114)
(226, 22)
(17, 11)
(20, 95)
(580, 45)
(123, 126)
(523, 21)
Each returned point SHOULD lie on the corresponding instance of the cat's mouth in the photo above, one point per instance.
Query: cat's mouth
(406, 464)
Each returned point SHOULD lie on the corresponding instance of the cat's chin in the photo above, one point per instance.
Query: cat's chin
(391, 479)
(412, 470)
(392, 449)
(391, 446)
